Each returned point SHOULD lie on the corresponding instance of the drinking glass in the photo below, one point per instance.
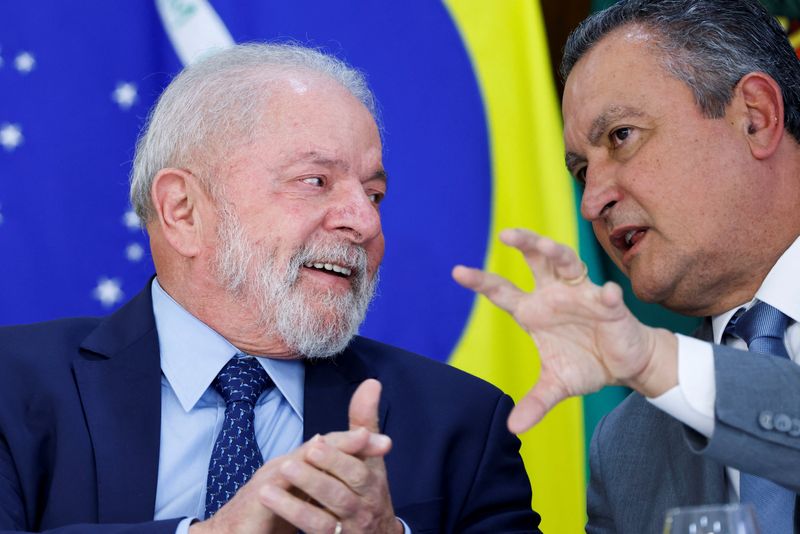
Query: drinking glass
(714, 519)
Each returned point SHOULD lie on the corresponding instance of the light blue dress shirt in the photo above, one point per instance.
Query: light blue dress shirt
(192, 412)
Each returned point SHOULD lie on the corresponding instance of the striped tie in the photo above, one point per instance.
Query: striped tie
(762, 327)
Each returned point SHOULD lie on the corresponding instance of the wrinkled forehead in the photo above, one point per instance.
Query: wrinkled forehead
(314, 92)
(621, 72)
(311, 115)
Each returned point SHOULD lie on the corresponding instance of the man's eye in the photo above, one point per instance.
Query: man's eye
(619, 135)
(376, 198)
(314, 180)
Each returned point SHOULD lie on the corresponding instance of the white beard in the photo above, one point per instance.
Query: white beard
(314, 325)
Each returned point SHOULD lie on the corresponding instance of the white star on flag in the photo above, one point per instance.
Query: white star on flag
(24, 62)
(131, 220)
(134, 252)
(108, 291)
(125, 94)
(10, 136)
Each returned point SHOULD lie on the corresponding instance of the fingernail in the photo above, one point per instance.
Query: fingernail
(380, 440)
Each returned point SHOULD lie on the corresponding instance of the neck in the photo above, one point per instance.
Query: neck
(232, 317)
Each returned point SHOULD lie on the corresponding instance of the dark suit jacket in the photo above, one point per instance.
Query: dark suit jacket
(80, 420)
(644, 462)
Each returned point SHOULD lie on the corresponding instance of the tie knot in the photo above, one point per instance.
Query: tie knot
(242, 379)
(762, 328)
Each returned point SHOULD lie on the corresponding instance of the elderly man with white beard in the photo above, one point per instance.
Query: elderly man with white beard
(232, 395)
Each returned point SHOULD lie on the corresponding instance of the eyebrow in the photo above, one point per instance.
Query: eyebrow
(319, 159)
(605, 119)
(380, 175)
(572, 160)
(599, 126)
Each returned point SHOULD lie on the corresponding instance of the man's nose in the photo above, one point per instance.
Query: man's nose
(354, 214)
(601, 192)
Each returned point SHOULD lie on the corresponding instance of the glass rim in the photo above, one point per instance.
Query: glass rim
(722, 507)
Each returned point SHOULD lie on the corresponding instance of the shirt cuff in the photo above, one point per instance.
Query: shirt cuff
(406, 530)
(183, 526)
(692, 400)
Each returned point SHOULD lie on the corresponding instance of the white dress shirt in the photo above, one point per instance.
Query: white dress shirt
(692, 400)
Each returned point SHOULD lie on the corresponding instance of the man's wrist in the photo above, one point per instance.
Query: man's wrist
(661, 372)
(198, 527)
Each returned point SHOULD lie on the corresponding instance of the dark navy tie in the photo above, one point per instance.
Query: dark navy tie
(236, 455)
(762, 327)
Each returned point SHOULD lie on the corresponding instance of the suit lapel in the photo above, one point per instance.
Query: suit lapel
(329, 384)
(705, 330)
(708, 483)
(694, 479)
(119, 380)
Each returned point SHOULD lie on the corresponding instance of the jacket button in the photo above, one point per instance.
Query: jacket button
(795, 431)
(783, 423)
(765, 420)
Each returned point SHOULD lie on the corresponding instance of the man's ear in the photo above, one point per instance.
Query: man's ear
(177, 197)
(763, 102)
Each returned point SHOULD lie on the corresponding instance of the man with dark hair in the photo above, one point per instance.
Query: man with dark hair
(258, 177)
(682, 120)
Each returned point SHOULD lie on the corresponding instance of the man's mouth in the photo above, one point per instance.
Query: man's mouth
(330, 268)
(626, 238)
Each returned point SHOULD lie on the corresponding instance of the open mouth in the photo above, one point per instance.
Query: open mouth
(330, 268)
(626, 238)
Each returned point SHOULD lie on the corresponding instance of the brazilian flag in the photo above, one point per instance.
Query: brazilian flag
(473, 144)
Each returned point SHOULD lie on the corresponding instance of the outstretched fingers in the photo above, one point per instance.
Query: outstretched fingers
(500, 291)
(549, 261)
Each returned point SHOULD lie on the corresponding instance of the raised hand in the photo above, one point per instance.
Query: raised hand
(586, 336)
(351, 489)
(330, 484)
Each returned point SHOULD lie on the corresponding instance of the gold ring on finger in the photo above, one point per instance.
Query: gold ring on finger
(578, 279)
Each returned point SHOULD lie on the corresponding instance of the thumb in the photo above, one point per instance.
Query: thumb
(534, 405)
(363, 412)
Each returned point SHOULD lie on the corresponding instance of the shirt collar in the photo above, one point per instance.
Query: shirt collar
(780, 289)
(192, 354)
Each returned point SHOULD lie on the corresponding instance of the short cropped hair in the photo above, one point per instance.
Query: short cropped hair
(708, 44)
(213, 105)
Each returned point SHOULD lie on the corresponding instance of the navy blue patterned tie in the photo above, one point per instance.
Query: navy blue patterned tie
(762, 327)
(236, 455)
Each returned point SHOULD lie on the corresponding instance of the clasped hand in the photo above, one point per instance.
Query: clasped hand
(336, 478)
(586, 336)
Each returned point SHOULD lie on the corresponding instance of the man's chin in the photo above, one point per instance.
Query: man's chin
(649, 287)
(322, 346)
(320, 331)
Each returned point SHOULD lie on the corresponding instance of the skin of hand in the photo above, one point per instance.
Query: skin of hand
(351, 488)
(586, 336)
(336, 477)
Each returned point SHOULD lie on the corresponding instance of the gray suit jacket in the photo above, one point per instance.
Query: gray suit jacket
(644, 462)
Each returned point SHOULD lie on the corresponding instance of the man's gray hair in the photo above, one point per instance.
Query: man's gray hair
(214, 106)
(708, 44)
